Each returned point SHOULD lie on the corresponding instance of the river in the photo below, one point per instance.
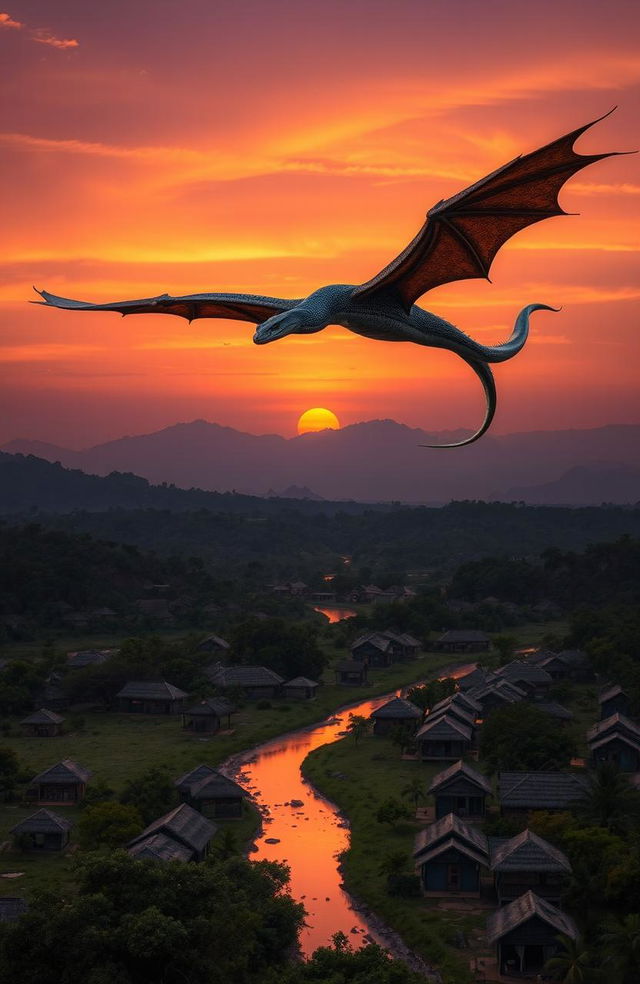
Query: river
(311, 836)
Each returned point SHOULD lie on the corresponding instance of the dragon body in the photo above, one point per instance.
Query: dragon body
(457, 242)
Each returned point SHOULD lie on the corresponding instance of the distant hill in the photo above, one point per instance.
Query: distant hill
(584, 485)
(379, 460)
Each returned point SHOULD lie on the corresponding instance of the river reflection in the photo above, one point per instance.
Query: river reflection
(335, 614)
(309, 836)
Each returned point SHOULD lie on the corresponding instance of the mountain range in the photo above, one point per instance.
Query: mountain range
(374, 461)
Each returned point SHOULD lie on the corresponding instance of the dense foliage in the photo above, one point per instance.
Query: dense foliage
(522, 738)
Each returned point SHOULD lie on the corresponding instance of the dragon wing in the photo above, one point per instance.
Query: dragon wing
(239, 307)
(463, 234)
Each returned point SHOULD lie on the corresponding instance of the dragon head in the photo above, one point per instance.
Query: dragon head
(295, 322)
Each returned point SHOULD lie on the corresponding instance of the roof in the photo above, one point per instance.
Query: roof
(183, 824)
(301, 682)
(450, 826)
(375, 639)
(613, 690)
(151, 690)
(464, 635)
(43, 716)
(540, 790)
(444, 726)
(214, 640)
(397, 707)
(529, 672)
(452, 844)
(42, 822)
(459, 769)
(203, 782)
(195, 775)
(526, 907)
(88, 657)
(159, 847)
(217, 706)
(617, 723)
(65, 771)
(629, 740)
(350, 666)
(12, 908)
(528, 852)
(243, 676)
(475, 678)
(455, 711)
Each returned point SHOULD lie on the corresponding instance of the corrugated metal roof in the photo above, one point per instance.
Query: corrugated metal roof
(397, 707)
(151, 690)
(185, 825)
(451, 826)
(459, 768)
(540, 790)
(528, 852)
(63, 772)
(42, 822)
(522, 909)
(452, 844)
(445, 727)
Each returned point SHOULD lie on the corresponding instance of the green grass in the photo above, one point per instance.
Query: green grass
(373, 772)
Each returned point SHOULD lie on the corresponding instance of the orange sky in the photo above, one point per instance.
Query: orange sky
(272, 147)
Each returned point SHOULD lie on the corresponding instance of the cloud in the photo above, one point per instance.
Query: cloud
(6, 20)
(44, 37)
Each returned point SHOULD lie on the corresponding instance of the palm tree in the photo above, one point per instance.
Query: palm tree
(572, 964)
(621, 945)
(414, 791)
(357, 727)
(610, 800)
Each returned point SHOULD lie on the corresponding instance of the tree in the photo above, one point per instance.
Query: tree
(621, 944)
(152, 794)
(505, 645)
(414, 791)
(573, 964)
(357, 727)
(522, 738)
(391, 811)
(147, 922)
(611, 801)
(108, 825)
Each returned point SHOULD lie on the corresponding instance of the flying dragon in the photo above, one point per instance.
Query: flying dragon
(458, 241)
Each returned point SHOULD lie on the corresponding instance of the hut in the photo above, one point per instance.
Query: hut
(150, 697)
(497, 693)
(522, 792)
(461, 790)
(211, 793)
(159, 847)
(613, 700)
(463, 641)
(525, 934)
(533, 680)
(456, 711)
(300, 688)
(351, 673)
(527, 862)
(450, 854)
(208, 716)
(472, 680)
(185, 827)
(213, 644)
(615, 740)
(42, 831)
(255, 682)
(374, 649)
(404, 646)
(396, 713)
(42, 724)
(88, 657)
(443, 738)
(65, 782)
(460, 699)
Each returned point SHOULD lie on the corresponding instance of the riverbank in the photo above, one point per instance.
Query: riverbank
(357, 779)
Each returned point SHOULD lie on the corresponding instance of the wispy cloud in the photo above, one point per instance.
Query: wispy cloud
(6, 20)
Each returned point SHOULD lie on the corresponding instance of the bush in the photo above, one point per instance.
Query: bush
(406, 886)
(263, 705)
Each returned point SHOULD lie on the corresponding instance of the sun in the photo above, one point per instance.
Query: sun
(317, 419)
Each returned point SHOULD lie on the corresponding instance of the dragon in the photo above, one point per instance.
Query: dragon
(458, 241)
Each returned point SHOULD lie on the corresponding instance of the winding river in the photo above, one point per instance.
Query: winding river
(308, 837)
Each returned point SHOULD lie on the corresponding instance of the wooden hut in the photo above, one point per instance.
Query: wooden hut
(211, 793)
(396, 713)
(185, 826)
(65, 782)
(42, 831)
(522, 792)
(374, 649)
(615, 740)
(42, 724)
(213, 644)
(151, 697)
(613, 700)
(443, 738)
(300, 688)
(527, 862)
(159, 847)
(351, 673)
(461, 790)
(533, 680)
(450, 855)
(525, 934)
(404, 646)
(207, 717)
(255, 682)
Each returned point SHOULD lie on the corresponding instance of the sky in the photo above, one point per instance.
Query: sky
(183, 145)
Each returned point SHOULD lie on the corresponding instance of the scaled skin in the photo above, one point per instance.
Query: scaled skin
(458, 242)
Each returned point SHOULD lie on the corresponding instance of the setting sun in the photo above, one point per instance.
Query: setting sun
(317, 419)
